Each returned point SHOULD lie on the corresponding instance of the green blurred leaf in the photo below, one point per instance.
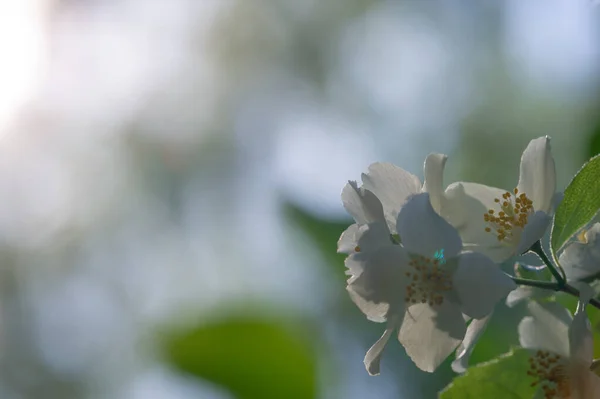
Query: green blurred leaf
(324, 233)
(500, 335)
(594, 142)
(579, 205)
(253, 359)
(502, 378)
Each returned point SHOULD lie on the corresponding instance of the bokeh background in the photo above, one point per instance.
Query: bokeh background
(170, 173)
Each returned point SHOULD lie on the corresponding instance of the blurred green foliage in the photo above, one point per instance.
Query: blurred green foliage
(252, 358)
(499, 337)
(594, 142)
(323, 233)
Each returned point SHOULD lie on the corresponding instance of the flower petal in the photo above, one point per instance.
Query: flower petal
(581, 342)
(464, 206)
(537, 176)
(524, 292)
(577, 261)
(375, 280)
(363, 238)
(586, 384)
(434, 179)
(480, 284)
(373, 356)
(362, 204)
(376, 312)
(349, 239)
(592, 236)
(547, 328)
(464, 350)
(581, 260)
(534, 230)
(392, 185)
(423, 231)
(430, 335)
(473, 200)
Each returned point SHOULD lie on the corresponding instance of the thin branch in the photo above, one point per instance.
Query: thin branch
(557, 272)
(554, 286)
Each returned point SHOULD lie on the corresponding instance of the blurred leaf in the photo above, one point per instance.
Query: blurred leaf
(579, 205)
(324, 233)
(502, 378)
(594, 143)
(253, 359)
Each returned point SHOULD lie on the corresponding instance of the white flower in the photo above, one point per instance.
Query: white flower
(582, 259)
(561, 351)
(384, 190)
(370, 229)
(411, 290)
(500, 223)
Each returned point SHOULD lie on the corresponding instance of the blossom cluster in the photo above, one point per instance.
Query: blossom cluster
(425, 260)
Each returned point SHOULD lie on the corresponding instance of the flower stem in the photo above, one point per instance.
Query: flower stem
(554, 286)
(546, 285)
(557, 272)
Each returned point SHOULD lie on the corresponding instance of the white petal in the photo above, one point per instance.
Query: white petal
(537, 176)
(480, 284)
(464, 206)
(577, 262)
(586, 384)
(586, 292)
(547, 328)
(363, 238)
(373, 356)
(593, 234)
(425, 232)
(377, 281)
(375, 312)
(454, 207)
(463, 353)
(498, 252)
(434, 179)
(534, 230)
(349, 239)
(524, 292)
(429, 336)
(362, 204)
(581, 260)
(473, 200)
(392, 185)
(581, 342)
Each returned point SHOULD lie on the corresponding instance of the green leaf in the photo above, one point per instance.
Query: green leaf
(579, 205)
(594, 141)
(324, 233)
(253, 359)
(503, 378)
(500, 335)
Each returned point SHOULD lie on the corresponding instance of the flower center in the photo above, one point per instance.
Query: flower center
(515, 209)
(549, 371)
(429, 281)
